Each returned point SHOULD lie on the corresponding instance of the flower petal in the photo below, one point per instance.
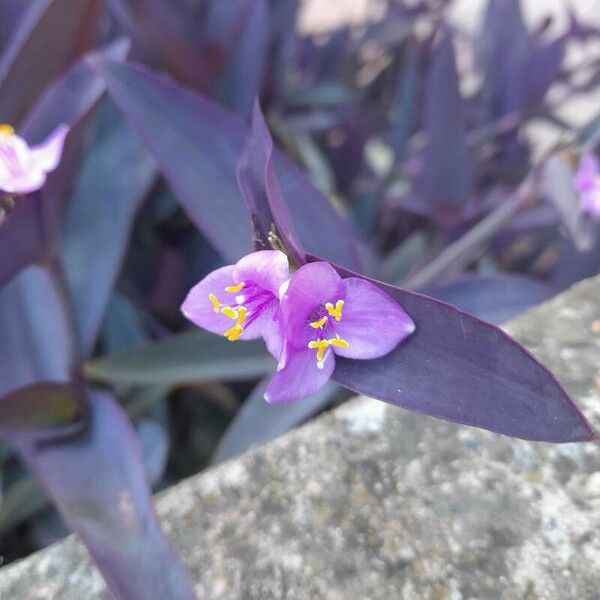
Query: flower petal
(267, 326)
(23, 183)
(46, 155)
(586, 177)
(300, 377)
(372, 322)
(311, 286)
(198, 308)
(267, 268)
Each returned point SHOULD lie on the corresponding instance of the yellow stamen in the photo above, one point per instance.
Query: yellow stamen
(339, 343)
(234, 289)
(320, 346)
(230, 312)
(319, 324)
(336, 312)
(215, 302)
(234, 333)
(6, 130)
(243, 312)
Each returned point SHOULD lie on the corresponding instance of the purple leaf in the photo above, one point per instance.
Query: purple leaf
(541, 70)
(446, 178)
(96, 480)
(114, 179)
(166, 33)
(258, 422)
(505, 47)
(36, 357)
(495, 298)
(52, 33)
(197, 145)
(261, 192)
(242, 80)
(575, 264)
(459, 368)
(23, 238)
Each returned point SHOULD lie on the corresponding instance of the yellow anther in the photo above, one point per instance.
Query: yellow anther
(243, 312)
(230, 312)
(239, 315)
(320, 346)
(234, 333)
(234, 289)
(336, 312)
(338, 343)
(6, 130)
(215, 302)
(319, 324)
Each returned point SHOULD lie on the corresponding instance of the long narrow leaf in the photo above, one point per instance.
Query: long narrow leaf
(96, 480)
(258, 422)
(191, 357)
(114, 180)
(459, 368)
(212, 140)
(23, 236)
(52, 33)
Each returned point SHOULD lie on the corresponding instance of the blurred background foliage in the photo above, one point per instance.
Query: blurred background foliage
(446, 140)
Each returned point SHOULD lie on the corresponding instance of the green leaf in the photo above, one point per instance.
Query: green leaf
(191, 357)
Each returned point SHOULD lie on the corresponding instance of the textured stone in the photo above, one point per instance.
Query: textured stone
(372, 502)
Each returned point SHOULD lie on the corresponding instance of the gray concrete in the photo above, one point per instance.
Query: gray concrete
(372, 502)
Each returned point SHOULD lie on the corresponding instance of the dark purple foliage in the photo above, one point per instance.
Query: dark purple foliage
(384, 162)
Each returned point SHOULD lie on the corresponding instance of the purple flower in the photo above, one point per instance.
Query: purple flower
(324, 315)
(587, 184)
(23, 168)
(241, 301)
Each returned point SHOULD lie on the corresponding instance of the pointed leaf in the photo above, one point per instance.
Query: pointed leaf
(495, 298)
(447, 176)
(69, 100)
(109, 506)
(36, 359)
(51, 34)
(261, 192)
(191, 357)
(197, 145)
(258, 422)
(459, 368)
(114, 179)
(242, 81)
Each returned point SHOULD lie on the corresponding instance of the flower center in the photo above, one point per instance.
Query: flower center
(241, 312)
(324, 326)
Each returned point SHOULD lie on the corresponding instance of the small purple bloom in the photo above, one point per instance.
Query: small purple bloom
(324, 315)
(23, 168)
(587, 184)
(241, 301)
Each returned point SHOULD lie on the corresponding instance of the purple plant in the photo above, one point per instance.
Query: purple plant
(391, 195)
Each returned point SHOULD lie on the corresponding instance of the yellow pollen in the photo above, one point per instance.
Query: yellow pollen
(234, 333)
(320, 346)
(239, 315)
(339, 343)
(336, 312)
(215, 302)
(234, 289)
(243, 312)
(230, 312)
(319, 324)
(6, 130)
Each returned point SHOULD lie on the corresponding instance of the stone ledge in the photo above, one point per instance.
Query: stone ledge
(373, 502)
